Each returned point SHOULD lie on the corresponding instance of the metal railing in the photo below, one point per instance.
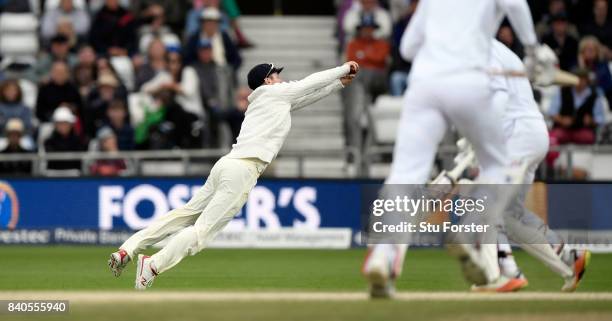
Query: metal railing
(187, 158)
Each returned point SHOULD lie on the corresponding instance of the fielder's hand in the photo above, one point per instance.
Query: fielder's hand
(354, 67)
(347, 80)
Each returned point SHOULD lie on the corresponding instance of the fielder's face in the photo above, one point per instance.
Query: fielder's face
(273, 79)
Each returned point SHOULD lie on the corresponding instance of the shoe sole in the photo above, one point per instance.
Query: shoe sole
(472, 272)
(378, 283)
(512, 285)
(139, 266)
(580, 267)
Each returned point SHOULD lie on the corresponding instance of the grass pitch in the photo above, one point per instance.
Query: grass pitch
(285, 271)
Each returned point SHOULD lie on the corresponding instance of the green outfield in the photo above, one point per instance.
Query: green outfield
(84, 269)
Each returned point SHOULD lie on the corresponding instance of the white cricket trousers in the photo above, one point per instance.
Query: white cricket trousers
(200, 220)
(527, 142)
(464, 100)
(430, 106)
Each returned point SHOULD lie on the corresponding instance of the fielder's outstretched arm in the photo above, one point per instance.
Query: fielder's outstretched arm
(293, 90)
(317, 95)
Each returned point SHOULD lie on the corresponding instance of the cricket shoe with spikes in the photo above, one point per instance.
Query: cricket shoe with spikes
(118, 261)
(580, 261)
(145, 272)
(378, 273)
(502, 284)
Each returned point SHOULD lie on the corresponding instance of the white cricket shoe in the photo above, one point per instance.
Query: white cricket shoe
(118, 261)
(469, 259)
(580, 261)
(145, 272)
(378, 273)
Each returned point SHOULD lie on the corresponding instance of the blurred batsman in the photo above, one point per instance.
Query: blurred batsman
(527, 142)
(449, 43)
(266, 125)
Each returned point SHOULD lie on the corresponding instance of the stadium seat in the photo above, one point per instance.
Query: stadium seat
(18, 35)
(383, 118)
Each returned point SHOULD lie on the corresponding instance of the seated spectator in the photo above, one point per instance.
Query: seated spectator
(194, 16)
(400, 67)
(155, 28)
(371, 54)
(58, 90)
(576, 113)
(167, 125)
(564, 45)
(215, 87)
(382, 18)
(229, 20)
(14, 132)
(600, 27)
(185, 84)
(65, 12)
(555, 8)
(154, 64)
(98, 101)
(107, 144)
(225, 51)
(505, 34)
(85, 73)
(64, 139)
(113, 31)
(118, 122)
(11, 106)
(59, 50)
(234, 115)
(175, 12)
(590, 57)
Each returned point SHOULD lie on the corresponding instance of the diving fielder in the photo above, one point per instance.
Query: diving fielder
(449, 43)
(527, 143)
(263, 132)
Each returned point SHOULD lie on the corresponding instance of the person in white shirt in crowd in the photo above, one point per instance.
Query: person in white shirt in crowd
(266, 126)
(225, 51)
(66, 11)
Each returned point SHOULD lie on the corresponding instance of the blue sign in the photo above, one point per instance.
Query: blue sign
(132, 203)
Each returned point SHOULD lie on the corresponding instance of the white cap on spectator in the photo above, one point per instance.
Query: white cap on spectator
(14, 125)
(63, 114)
(210, 14)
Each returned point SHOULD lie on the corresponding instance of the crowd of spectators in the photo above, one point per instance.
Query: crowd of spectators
(115, 75)
(579, 32)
